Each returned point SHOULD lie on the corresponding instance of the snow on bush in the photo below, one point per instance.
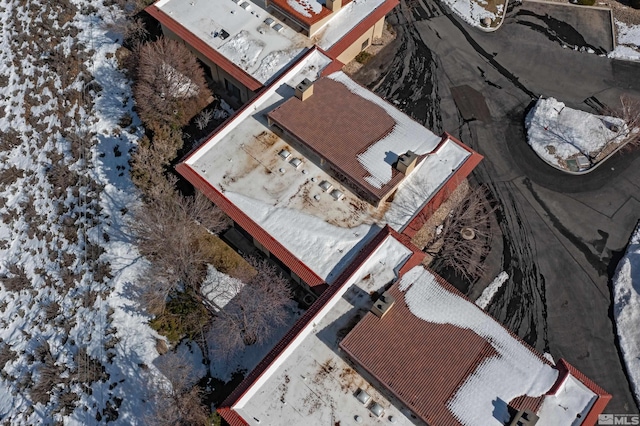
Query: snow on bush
(557, 133)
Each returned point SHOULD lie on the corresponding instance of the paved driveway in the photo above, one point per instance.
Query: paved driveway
(561, 235)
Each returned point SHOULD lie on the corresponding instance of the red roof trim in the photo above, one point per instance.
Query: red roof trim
(308, 317)
(603, 396)
(381, 11)
(202, 47)
(231, 417)
(297, 266)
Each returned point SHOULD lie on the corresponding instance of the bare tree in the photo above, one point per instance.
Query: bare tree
(254, 313)
(629, 112)
(169, 229)
(123, 20)
(464, 239)
(171, 86)
(178, 402)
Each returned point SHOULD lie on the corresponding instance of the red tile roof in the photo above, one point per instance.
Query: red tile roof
(434, 360)
(226, 408)
(338, 125)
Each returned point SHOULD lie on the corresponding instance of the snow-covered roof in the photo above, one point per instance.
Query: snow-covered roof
(569, 405)
(242, 162)
(310, 383)
(237, 30)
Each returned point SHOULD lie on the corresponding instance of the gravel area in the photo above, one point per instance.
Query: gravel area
(388, 35)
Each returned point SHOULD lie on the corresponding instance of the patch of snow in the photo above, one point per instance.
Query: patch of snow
(471, 12)
(514, 372)
(569, 405)
(220, 288)
(626, 309)
(243, 49)
(557, 133)
(325, 248)
(191, 354)
(424, 182)
(628, 47)
(491, 290)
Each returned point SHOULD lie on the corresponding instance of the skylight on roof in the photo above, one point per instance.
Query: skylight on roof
(284, 154)
(269, 21)
(278, 27)
(245, 5)
(296, 162)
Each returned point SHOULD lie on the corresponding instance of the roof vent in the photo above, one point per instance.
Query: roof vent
(296, 163)
(376, 409)
(383, 304)
(524, 418)
(362, 396)
(304, 89)
(326, 186)
(284, 154)
(407, 162)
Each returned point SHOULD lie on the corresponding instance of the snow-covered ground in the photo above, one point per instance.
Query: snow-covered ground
(473, 11)
(626, 310)
(628, 42)
(74, 348)
(558, 133)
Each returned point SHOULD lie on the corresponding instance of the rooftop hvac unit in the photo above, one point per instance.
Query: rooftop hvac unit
(362, 396)
(376, 409)
(284, 154)
(223, 34)
(296, 163)
(326, 186)
(383, 304)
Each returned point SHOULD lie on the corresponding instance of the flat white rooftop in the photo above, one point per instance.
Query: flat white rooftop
(241, 31)
(310, 383)
(243, 162)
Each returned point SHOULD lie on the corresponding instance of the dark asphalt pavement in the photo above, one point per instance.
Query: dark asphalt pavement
(561, 235)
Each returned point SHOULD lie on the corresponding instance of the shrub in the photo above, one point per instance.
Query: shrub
(184, 316)
(364, 57)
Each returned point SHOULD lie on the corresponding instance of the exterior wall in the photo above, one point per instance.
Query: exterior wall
(217, 73)
(352, 51)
